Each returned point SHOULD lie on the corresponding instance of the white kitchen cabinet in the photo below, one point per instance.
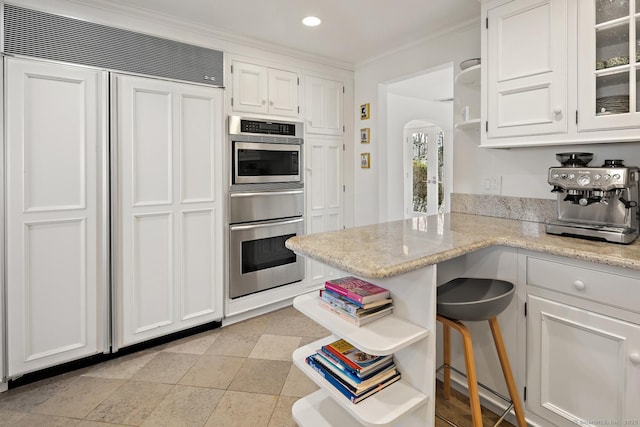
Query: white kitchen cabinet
(583, 342)
(559, 72)
(608, 64)
(56, 214)
(264, 90)
(324, 194)
(168, 207)
(467, 99)
(324, 101)
(527, 68)
(407, 333)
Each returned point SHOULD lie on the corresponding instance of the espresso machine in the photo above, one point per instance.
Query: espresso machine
(594, 202)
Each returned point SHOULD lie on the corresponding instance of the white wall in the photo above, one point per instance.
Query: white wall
(524, 170)
(377, 189)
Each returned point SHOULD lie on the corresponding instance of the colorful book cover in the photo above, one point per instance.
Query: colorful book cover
(354, 372)
(352, 382)
(349, 305)
(355, 398)
(357, 290)
(353, 357)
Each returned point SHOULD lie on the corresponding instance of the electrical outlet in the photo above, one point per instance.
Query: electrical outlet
(492, 185)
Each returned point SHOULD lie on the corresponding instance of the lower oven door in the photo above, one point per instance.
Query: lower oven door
(258, 258)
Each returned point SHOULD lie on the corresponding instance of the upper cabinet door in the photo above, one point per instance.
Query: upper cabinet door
(263, 90)
(283, 93)
(56, 242)
(608, 64)
(250, 88)
(527, 68)
(324, 106)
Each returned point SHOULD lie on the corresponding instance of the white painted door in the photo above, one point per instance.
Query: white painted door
(283, 93)
(527, 68)
(324, 189)
(169, 237)
(424, 170)
(250, 88)
(324, 106)
(56, 213)
(583, 368)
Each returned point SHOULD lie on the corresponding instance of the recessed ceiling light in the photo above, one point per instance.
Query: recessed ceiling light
(311, 21)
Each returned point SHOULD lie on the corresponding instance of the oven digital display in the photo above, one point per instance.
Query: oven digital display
(269, 128)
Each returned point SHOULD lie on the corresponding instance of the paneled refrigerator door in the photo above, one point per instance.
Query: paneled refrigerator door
(56, 213)
(166, 198)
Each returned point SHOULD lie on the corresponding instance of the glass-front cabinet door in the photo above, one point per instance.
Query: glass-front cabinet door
(608, 64)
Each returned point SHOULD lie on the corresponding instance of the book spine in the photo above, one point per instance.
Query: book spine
(336, 376)
(335, 383)
(341, 314)
(338, 362)
(342, 297)
(339, 369)
(341, 357)
(345, 293)
(337, 302)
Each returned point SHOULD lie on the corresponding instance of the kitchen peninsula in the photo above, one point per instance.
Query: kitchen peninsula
(580, 282)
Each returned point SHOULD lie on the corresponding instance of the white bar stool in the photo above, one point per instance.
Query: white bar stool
(470, 299)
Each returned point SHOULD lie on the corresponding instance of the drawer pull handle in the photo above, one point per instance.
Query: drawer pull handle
(635, 358)
(579, 284)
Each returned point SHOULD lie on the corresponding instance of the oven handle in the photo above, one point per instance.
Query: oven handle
(264, 224)
(267, 193)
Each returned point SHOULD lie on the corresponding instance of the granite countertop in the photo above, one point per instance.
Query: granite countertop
(392, 248)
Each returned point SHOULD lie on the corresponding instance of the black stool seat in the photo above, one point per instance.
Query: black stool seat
(473, 299)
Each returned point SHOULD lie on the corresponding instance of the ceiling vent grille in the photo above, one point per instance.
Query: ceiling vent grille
(44, 35)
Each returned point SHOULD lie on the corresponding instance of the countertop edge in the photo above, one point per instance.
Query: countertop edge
(327, 254)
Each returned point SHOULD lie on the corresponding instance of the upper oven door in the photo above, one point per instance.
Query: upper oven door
(256, 163)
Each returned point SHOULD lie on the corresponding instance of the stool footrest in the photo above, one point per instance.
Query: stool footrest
(489, 389)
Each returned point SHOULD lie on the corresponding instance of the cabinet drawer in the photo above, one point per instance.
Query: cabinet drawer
(604, 287)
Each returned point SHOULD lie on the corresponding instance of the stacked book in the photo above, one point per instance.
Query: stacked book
(355, 300)
(356, 374)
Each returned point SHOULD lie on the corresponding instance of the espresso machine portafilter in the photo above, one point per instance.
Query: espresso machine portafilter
(595, 202)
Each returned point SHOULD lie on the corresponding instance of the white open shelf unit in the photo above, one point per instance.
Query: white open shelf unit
(406, 333)
(469, 76)
(327, 405)
(467, 93)
(469, 125)
(380, 337)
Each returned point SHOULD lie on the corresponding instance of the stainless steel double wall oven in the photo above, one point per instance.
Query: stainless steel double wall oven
(266, 204)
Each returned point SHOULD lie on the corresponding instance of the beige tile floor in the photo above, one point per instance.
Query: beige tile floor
(239, 375)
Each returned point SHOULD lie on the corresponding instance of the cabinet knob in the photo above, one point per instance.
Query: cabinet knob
(635, 358)
(579, 284)
(557, 110)
(271, 103)
(309, 169)
(264, 102)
